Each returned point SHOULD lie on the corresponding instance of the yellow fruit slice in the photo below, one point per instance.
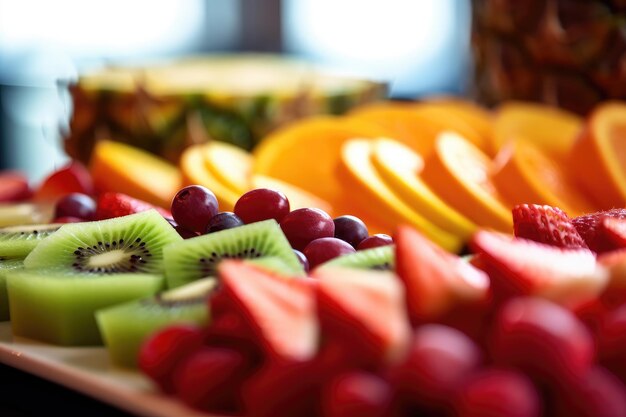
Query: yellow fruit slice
(194, 170)
(598, 158)
(118, 167)
(448, 119)
(307, 153)
(369, 188)
(552, 129)
(525, 174)
(402, 123)
(298, 198)
(399, 167)
(458, 172)
(229, 164)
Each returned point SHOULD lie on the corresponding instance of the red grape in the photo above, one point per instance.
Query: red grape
(193, 207)
(357, 394)
(222, 221)
(160, 353)
(543, 339)
(303, 260)
(304, 225)
(76, 205)
(209, 379)
(325, 249)
(351, 229)
(374, 241)
(599, 393)
(262, 204)
(498, 393)
(68, 219)
(439, 361)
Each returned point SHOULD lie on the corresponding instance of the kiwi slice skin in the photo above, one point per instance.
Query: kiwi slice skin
(6, 265)
(58, 306)
(19, 241)
(380, 258)
(132, 243)
(198, 257)
(126, 326)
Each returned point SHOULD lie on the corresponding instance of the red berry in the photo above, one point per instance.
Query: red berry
(546, 224)
(304, 225)
(590, 229)
(612, 342)
(193, 207)
(160, 353)
(262, 204)
(598, 393)
(375, 241)
(357, 394)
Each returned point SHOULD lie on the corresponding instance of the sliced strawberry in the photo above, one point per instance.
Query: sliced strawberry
(71, 178)
(523, 267)
(13, 187)
(615, 231)
(589, 227)
(546, 224)
(435, 280)
(110, 205)
(615, 293)
(280, 312)
(365, 311)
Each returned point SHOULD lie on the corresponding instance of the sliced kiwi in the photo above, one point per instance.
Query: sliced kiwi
(382, 257)
(7, 265)
(132, 243)
(19, 241)
(58, 305)
(124, 327)
(198, 257)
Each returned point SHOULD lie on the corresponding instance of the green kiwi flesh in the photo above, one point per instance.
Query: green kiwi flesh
(132, 243)
(19, 241)
(198, 257)
(58, 305)
(125, 327)
(6, 265)
(380, 258)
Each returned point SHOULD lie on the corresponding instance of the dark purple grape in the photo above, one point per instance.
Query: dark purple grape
(303, 260)
(222, 221)
(324, 249)
(185, 233)
(76, 205)
(375, 241)
(262, 204)
(351, 229)
(193, 207)
(304, 225)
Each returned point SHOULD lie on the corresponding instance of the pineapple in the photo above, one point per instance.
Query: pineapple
(570, 53)
(238, 99)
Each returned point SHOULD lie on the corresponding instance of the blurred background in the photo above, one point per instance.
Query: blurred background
(417, 47)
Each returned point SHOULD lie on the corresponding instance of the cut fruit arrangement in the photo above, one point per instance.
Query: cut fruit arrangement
(246, 303)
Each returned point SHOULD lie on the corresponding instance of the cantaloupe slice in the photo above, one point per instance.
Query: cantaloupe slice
(118, 167)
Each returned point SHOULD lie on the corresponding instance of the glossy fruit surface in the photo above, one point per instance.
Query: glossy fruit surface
(76, 205)
(222, 221)
(302, 226)
(303, 260)
(193, 207)
(324, 249)
(262, 204)
(374, 241)
(350, 229)
(357, 394)
(546, 224)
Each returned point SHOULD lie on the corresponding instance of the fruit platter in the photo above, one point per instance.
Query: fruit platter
(405, 258)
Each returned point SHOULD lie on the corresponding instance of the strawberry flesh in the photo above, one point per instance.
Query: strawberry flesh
(546, 224)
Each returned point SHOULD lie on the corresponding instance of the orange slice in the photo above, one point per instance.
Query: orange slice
(298, 198)
(230, 165)
(525, 174)
(399, 167)
(458, 172)
(402, 124)
(195, 171)
(307, 153)
(598, 158)
(368, 188)
(118, 167)
(552, 129)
